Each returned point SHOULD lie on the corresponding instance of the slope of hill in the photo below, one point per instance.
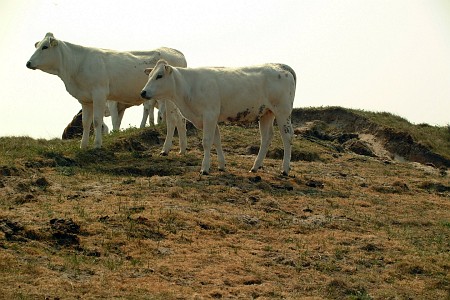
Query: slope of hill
(124, 223)
(382, 133)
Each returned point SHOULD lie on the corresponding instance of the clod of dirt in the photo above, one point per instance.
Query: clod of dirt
(147, 171)
(64, 232)
(249, 220)
(24, 198)
(296, 155)
(163, 251)
(315, 184)
(370, 247)
(14, 231)
(252, 281)
(394, 188)
(253, 150)
(255, 179)
(65, 225)
(434, 187)
(42, 182)
(60, 160)
(9, 171)
(140, 142)
(129, 144)
(93, 156)
(287, 186)
(65, 239)
(149, 136)
(359, 147)
(11, 229)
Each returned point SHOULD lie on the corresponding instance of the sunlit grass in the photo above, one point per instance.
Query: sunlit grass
(341, 226)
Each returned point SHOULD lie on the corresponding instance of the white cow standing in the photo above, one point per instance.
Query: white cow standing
(206, 96)
(93, 75)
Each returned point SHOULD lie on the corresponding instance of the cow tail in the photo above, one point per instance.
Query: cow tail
(290, 70)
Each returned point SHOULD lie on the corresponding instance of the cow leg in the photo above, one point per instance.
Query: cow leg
(105, 129)
(113, 110)
(266, 131)
(148, 112)
(161, 112)
(99, 104)
(151, 112)
(151, 116)
(287, 133)
(219, 150)
(171, 122)
(144, 115)
(119, 118)
(209, 132)
(181, 128)
(87, 113)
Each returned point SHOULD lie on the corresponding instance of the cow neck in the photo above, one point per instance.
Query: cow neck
(182, 87)
(70, 60)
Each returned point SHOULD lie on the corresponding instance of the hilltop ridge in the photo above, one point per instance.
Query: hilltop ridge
(372, 136)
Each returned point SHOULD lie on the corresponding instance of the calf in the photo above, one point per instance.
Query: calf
(206, 96)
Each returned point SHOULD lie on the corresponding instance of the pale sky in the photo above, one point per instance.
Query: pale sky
(376, 55)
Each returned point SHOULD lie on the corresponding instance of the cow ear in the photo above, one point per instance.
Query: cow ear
(53, 42)
(168, 69)
(148, 71)
(36, 44)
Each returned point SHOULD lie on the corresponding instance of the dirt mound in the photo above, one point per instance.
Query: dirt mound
(140, 142)
(345, 130)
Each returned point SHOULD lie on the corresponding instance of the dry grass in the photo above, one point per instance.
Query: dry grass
(122, 223)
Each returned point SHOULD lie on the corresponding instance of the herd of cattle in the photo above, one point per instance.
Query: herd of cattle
(106, 82)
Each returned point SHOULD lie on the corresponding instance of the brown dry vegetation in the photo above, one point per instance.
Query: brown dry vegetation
(124, 223)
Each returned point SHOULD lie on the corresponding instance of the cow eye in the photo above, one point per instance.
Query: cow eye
(44, 47)
(159, 76)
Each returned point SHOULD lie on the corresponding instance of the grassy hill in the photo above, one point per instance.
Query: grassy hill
(352, 221)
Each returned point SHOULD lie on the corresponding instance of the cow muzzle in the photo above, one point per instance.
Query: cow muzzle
(29, 66)
(145, 95)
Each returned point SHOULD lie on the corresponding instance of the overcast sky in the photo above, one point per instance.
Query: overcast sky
(376, 55)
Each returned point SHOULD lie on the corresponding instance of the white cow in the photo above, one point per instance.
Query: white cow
(206, 96)
(149, 108)
(93, 75)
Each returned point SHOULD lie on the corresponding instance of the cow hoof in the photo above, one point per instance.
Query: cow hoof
(254, 170)
(221, 169)
(284, 173)
(202, 172)
(163, 154)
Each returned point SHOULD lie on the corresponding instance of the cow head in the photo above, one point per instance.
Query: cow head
(159, 81)
(45, 56)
